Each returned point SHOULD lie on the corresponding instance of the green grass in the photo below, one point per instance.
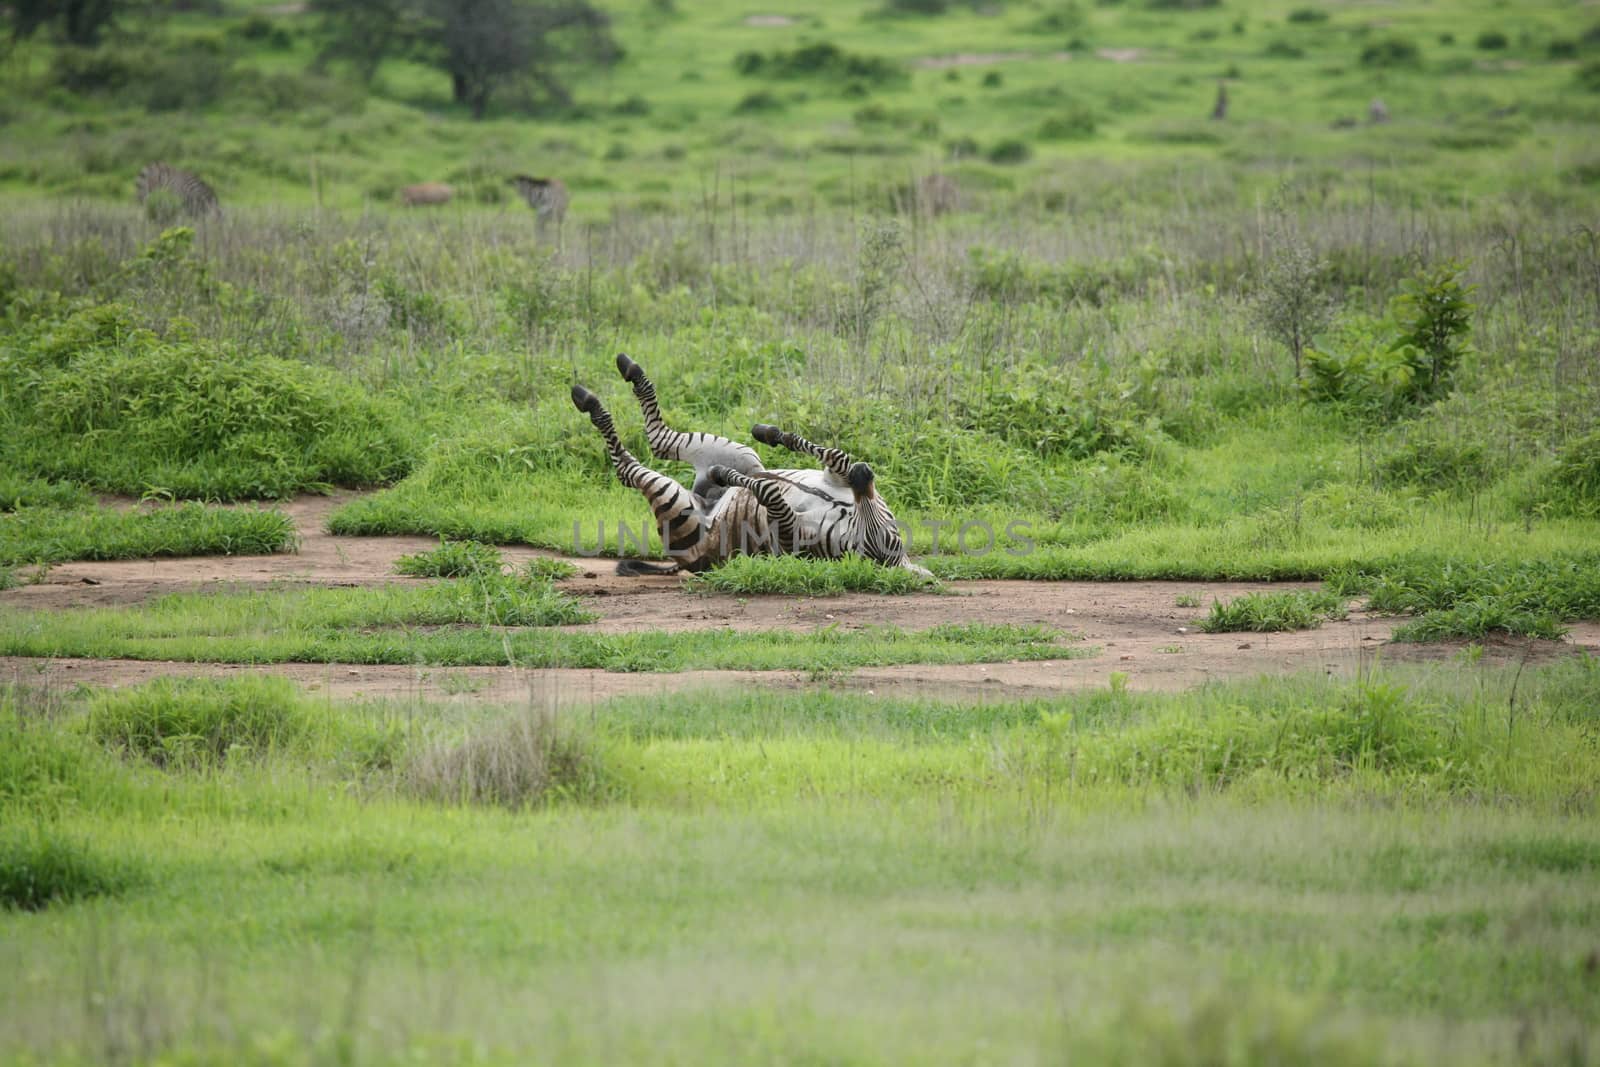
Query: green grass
(41, 868)
(794, 576)
(1530, 597)
(452, 559)
(461, 622)
(1299, 609)
(1397, 869)
(53, 535)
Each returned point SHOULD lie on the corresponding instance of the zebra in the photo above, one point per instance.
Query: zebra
(738, 507)
(193, 196)
(426, 195)
(547, 197)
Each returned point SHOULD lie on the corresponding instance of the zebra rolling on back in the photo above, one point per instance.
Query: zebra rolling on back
(548, 199)
(194, 197)
(737, 506)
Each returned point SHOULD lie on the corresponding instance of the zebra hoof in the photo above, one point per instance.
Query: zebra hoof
(585, 401)
(717, 474)
(631, 372)
(767, 435)
(861, 478)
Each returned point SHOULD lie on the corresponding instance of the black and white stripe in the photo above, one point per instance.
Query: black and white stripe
(739, 507)
(197, 199)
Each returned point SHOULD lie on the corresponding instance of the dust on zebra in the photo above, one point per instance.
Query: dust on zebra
(739, 507)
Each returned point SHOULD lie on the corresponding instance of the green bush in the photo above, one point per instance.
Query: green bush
(1588, 76)
(1308, 15)
(1392, 52)
(178, 723)
(114, 406)
(1009, 150)
(1074, 125)
(821, 60)
(1493, 41)
(452, 559)
(39, 867)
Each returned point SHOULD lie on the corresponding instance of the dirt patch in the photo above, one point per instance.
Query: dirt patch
(1121, 55)
(768, 21)
(1137, 627)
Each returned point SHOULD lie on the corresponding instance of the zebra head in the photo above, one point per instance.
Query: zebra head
(880, 539)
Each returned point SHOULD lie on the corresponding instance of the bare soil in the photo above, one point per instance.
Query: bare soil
(1137, 628)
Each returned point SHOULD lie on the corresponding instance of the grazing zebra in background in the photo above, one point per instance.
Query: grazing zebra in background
(193, 196)
(737, 506)
(426, 195)
(547, 197)
(929, 196)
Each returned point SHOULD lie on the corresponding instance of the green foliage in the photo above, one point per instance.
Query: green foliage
(1076, 124)
(1392, 51)
(1299, 609)
(1293, 303)
(1434, 314)
(19, 492)
(194, 73)
(80, 22)
(103, 402)
(54, 535)
(823, 60)
(41, 866)
(1493, 41)
(796, 576)
(1306, 15)
(1571, 487)
(452, 559)
(1009, 150)
(1451, 599)
(1588, 76)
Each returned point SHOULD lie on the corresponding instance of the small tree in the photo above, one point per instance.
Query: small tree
(1435, 319)
(1293, 305)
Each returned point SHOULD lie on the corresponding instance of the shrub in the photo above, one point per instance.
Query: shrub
(1570, 486)
(192, 721)
(1588, 76)
(820, 60)
(1308, 15)
(1293, 304)
(1283, 50)
(1563, 48)
(1492, 41)
(1392, 52)
(528, 758)
(1009, 151)
(759, 102)
(116, 407)
(39, 866)
(993, 79)
(1435, 318)
(1073, 125)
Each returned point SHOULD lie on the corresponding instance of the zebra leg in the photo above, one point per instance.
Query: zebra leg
(781, 518)
(678, 514)
(836, 461)
(704, 450)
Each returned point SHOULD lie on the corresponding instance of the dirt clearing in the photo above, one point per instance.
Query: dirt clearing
(1137, 628)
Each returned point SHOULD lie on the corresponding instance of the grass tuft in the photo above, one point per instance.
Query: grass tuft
(1298, 609)
(1531, 598)
(522, 760)
(452, 559)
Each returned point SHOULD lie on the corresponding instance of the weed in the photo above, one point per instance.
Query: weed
(53, 535)
(1187, 600)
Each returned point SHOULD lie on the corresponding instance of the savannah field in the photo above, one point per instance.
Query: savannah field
(1252, 715)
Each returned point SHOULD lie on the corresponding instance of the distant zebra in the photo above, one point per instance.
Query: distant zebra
(1377, 111)
(427, 194)
(547, 197)
(193, 196)
(738, 507)
(928, 196)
